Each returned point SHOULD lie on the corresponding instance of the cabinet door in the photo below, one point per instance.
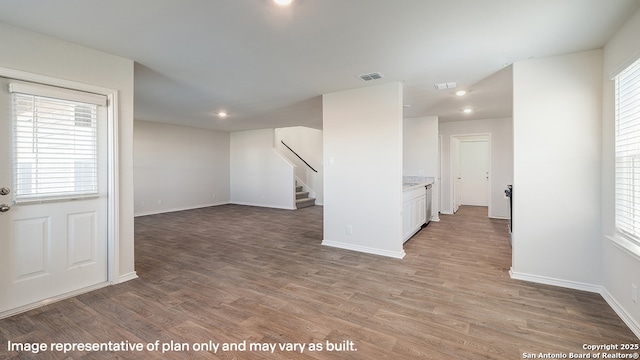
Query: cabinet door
(407, 227)
(421, 208)
(416, 215)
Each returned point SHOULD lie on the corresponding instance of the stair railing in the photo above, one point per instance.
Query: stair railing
(296, 154)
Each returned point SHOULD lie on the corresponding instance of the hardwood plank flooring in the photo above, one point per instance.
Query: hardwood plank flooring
(233, 273)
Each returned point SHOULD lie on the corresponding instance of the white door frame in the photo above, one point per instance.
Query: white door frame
(112, 177)
(439, 178)
(454, 152)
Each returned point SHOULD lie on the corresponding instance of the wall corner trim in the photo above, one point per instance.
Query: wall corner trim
(181, 208)
(622, 313)
(126, 277)
(555, 282)
(245, 203)
(633, 325)
(48, 301)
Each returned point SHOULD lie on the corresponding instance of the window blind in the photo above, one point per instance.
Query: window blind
(627, 151)
(55, 144)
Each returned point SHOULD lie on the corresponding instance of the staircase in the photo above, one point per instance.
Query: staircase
(302, 198)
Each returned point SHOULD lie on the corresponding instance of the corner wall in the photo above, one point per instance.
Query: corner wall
(420, 154)
(179, 168)
(363, 169)
(259, 175)
(620, 266)
(557, 152)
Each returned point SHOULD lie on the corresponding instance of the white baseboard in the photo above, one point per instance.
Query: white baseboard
(264, 205)
(624, 315)
(162, 211)
(126, 277)
(37, 304)
(555, 282)
(364, 249)
(615, 305)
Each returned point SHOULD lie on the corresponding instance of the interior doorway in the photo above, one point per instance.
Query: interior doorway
(470, 158)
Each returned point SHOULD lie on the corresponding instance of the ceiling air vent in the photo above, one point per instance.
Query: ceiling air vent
(445, 86)
(370, 76)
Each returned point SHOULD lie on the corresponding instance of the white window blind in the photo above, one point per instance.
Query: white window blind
(55, 143)
(627, 151)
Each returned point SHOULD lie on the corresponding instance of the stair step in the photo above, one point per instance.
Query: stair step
(305, 202)
(298, 188)
(302, 194)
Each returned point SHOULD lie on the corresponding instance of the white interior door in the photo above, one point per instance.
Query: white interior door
(474, 173)
(50, 244)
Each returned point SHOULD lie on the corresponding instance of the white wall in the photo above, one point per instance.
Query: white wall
(259, 175)
(363, 169)
(557, 147)
(620, 267)
(39, 54)
(420, 153)
(501, 171)
(179, 168)
(307, 143)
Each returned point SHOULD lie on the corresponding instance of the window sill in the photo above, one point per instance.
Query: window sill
(625, 245)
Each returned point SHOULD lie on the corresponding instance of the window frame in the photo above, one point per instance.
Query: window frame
(627, 152)
(64, 129)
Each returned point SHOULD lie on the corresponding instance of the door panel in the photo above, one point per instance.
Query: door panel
(49, 248)
(31, 243)
(82, 238)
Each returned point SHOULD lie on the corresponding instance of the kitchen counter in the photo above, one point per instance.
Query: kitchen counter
(414, 182)
(411, 186)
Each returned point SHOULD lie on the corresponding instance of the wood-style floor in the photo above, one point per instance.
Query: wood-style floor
(233, 273)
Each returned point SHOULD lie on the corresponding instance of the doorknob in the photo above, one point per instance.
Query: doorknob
(4, 191)
(4, 207)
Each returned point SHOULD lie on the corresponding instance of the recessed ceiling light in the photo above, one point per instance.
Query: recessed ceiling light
(461, 92)
(283, 2)
(467, 111)
(222, 114)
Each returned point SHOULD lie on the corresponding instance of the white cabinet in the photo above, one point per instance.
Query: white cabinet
(414, 211)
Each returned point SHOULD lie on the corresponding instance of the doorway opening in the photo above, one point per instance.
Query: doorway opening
(470, 166)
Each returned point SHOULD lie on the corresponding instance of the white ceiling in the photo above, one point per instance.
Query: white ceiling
(268, 65)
